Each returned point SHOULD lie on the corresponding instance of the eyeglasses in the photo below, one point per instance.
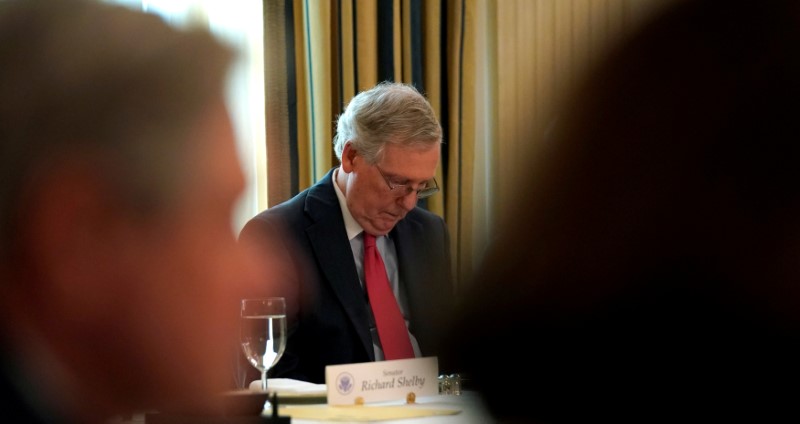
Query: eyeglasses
(426, 189)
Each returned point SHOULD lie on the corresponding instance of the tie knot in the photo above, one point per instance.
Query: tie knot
(369, 240)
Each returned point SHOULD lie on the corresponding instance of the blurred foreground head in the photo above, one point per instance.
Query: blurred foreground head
(650, 270)
(118, 171)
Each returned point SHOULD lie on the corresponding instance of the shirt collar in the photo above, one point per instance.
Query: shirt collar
(350, 224)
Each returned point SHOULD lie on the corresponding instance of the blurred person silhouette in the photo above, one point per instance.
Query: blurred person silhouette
(648, 270)
(388, 142)
(119, 265)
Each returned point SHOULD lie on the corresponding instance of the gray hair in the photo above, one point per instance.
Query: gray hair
(107, 84)
(387, 113)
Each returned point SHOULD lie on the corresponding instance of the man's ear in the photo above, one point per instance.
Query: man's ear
(349, 155)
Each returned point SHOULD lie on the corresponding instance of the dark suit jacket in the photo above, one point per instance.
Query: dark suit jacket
(327, 307)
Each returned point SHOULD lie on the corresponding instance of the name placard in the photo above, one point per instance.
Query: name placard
(367, 382)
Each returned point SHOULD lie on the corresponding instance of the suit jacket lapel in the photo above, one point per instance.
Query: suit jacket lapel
(406, 234)
(329, 240)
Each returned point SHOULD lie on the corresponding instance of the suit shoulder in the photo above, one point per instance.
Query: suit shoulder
(425, 216)
(287, 208)
(278, 216)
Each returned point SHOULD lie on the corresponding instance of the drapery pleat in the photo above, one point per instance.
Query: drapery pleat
(460, 153)
(386, 35)
(492, 70)
(281, 117)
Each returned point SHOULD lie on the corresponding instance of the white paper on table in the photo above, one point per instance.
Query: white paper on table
(291, 387)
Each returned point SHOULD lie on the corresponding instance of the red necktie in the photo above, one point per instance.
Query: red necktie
(388, 318)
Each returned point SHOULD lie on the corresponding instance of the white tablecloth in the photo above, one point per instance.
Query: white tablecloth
(472, 411)
(469, 403)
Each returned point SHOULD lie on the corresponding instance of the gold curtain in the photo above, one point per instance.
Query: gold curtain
(543, 49)
(492, 69)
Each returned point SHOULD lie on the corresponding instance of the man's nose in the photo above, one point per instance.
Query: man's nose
(409, 200)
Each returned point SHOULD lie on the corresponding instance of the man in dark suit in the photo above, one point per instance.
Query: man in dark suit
(388, 142)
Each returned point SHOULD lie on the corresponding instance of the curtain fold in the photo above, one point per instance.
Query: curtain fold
(278, 83)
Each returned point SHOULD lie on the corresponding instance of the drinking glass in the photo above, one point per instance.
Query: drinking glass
(263, 333)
